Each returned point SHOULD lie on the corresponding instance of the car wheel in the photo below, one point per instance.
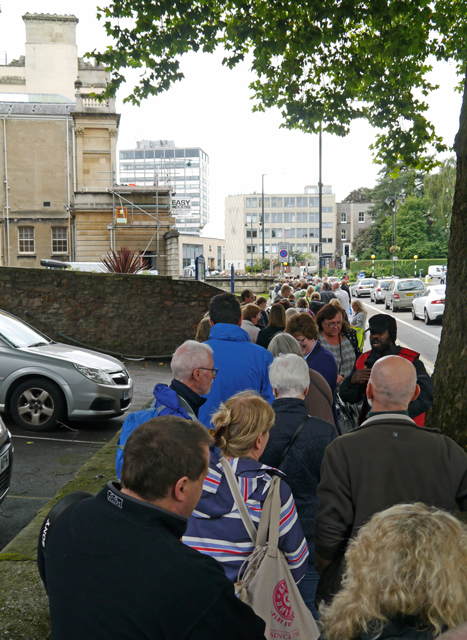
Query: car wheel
(393, 307)
(37, 405)
(427, 318)
(386, 306)
(414, 315)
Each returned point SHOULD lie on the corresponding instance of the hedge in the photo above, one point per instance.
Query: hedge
(404, 268)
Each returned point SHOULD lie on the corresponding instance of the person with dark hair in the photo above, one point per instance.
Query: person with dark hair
(276, 324)
(247, 296)
(326, 294)
(383, 334)
(315, 304)
(241, 365)
(128, 537)
(263, 320)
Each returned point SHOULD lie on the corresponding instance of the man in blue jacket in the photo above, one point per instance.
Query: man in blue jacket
(241, 365)
(193, 370)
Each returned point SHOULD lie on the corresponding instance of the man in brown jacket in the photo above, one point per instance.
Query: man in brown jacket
(385, 461)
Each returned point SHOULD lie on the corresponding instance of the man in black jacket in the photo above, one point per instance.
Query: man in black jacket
(114, 566)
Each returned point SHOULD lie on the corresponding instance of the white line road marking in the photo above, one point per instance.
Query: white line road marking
(98, 444)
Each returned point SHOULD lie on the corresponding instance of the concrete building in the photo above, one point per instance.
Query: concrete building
(291, 218)
(212, 249)
(352, 217)
(58, 163)
(184, 169)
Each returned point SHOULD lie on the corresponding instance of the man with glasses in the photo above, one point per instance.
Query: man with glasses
(193, 369)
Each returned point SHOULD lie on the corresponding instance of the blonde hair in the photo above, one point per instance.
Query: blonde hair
(239, 421)
(358, 305)
(409, 560)
(310, 290)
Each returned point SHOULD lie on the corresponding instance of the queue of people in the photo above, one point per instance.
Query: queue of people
(369, 559)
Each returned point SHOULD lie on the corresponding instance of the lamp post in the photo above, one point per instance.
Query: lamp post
(415, 258)
(373, 266)
(392, 202)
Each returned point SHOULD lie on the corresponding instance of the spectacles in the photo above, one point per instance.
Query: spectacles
(334, 325)
(213, 371)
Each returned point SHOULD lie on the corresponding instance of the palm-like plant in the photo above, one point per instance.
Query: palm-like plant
(125, 261)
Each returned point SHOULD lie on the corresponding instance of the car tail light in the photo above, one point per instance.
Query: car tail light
(437, 302)
(396, 296)
(378, 289)
(360, 287)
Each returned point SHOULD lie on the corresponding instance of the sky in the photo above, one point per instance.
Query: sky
(212, 108)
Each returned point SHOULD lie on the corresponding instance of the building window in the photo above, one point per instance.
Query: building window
(289, 233)
(328, 240)
(190, 252)
(251, 203)
(313, 233)
(314, 202)
(274, 248)
(289, 202)
(59, 240)
(219, 258)
(361, 216)
(267, 218)
(276, 202)
(251, 217)
(302, 217)
(302, 201)
(267, 233)
(314, 217)
(25, 239)
(314, 248)
(289, 217)
(343, 234)
(251, 233)
(343, 217)
(276, 233)
(327, 225)
(328, 209)
(266, 203)
(251, 248)
(276, 217)
(302, 232)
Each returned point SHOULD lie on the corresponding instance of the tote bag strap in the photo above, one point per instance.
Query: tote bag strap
(268, 528)
(237, 496)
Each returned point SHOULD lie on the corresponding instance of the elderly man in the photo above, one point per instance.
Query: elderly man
(385, 461)
(341, 295)
(383, 334)
(241, 364)
(193, 369)
(114, 565)
(307, 438)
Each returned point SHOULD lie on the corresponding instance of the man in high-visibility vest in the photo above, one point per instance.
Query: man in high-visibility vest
(383, 334)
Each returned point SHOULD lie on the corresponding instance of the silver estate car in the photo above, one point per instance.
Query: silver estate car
(400, 293)
(42, 382)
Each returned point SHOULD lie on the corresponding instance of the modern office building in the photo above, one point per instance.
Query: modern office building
(184, 169)
(291, 218)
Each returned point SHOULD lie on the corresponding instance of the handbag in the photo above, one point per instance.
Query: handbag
(264, 579)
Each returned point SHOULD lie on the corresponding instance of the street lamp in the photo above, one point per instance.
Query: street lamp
(373, 266)
(415, 258)
(392, 201)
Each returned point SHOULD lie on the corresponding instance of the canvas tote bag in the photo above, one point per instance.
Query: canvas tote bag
(264, 580)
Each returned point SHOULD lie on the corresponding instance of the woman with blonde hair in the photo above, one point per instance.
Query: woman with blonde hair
(359, 314)
(215, 528)
(406, 577)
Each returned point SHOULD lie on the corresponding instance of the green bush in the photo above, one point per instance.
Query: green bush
(404, 268)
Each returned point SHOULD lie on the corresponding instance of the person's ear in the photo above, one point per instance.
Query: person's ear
(211, 322)
(306, 390)
(240, 321)
(274, 390)
(369, 391)
(180, 488)
(416, 393)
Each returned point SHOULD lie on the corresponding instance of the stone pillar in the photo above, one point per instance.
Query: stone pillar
(172, 252)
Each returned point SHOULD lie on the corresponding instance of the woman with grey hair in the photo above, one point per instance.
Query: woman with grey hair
(296, 446)
(318, 400)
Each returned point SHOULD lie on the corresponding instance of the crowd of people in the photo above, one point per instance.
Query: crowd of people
(367, 492)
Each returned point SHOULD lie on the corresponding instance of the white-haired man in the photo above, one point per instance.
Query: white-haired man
(193, 371)
(303, 439)
(385, 461)
(341, 295)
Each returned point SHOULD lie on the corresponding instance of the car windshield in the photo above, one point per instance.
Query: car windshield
(18, 334)
(410, 285)
(384, 284)
(367, 282)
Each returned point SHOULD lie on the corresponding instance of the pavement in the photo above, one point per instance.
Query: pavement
(24, 613)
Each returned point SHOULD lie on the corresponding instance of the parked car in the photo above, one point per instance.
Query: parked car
(6, 460)
(362, 287)
(429, 304)
(42, 382)
(378, 290)
(400, 293)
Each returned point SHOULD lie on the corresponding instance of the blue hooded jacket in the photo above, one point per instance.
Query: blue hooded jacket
(166, 403)
(241, 364)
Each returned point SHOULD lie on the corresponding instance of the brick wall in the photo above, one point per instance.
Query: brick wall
(132, 315)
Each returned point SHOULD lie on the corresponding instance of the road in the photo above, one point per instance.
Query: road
(44, 462)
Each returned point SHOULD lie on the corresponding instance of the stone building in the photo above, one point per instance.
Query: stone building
(352, 217)
(58, 160)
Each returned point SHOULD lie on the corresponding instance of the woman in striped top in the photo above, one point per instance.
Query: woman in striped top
(241, 432)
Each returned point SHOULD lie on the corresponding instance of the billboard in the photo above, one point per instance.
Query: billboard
(181, 207)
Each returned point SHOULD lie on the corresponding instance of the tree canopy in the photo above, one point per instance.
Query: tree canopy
(324, 64)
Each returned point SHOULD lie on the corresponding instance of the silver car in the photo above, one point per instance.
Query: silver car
(42, 382)
(378, 290)
(362, 287)
(6, 460)
(400, 293)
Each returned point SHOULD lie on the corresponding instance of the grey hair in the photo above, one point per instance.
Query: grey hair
(289, 375)
(189, 356)
(283, 343)
(290, 312)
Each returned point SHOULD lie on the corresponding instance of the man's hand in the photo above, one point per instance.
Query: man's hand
(361, 376)
(339, 378)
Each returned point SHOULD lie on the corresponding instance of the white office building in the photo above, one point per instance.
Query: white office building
(184, 169)
(291, 218)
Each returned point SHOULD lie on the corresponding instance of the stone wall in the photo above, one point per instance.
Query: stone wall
(130, 315)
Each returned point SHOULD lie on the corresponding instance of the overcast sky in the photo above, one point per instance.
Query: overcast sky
(211, 108)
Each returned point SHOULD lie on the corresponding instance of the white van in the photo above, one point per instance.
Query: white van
(437, 271)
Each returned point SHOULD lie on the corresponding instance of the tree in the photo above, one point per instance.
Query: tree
(326, 64)
(363, 194)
